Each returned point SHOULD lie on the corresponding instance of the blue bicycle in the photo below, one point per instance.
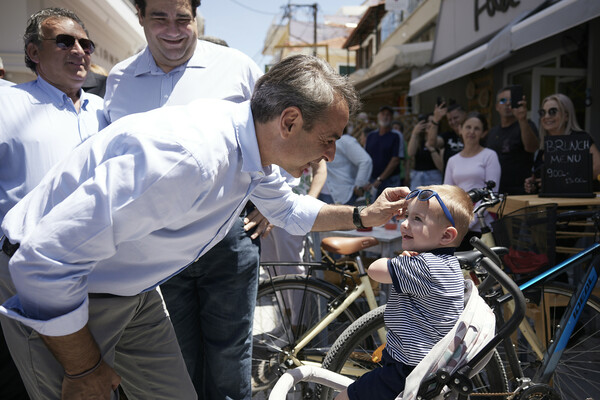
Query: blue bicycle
(556, 351)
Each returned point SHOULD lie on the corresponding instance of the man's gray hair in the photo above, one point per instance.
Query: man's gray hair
(302, 81)
(33, 32)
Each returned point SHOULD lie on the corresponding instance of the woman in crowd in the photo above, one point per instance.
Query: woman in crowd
(473, 166)
(557, 117)
(424, 172)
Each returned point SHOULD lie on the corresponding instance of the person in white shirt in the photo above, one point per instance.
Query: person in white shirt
(41, 121)
(176, 68)
(128, 208)
(348, 173)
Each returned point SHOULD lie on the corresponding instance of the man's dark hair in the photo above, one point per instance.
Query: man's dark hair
(302, 81)
(455, 106)
(504, 89)
(141, 4)
(33, 32)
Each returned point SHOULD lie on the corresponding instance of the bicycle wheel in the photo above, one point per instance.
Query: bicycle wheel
(351, 355)
(577, 375)
(286, 308)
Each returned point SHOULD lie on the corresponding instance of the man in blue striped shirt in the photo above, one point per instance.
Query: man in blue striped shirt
(427, 287)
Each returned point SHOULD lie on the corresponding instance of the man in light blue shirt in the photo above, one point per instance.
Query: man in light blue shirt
(176, 68)
(41, 122)
(128, 208)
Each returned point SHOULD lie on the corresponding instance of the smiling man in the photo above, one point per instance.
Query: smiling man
(176, 68)
(42, 120)
(140, 201)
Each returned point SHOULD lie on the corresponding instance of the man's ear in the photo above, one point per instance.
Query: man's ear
(290, 121)
(33, 52)
(140, 16)
(449, 236)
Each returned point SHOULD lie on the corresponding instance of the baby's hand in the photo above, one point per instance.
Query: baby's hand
(409, 253)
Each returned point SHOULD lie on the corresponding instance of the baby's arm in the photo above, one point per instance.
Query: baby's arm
(378, 271)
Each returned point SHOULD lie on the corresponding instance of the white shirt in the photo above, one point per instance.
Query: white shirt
(350, 168)
(129, 207)
(473, 173)
(39, 126)
(214, 71)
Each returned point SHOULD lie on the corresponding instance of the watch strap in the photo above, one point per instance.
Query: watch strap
(356, 217)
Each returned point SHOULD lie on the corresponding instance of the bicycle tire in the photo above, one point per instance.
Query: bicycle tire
(577, 375)
(350, 352)
(275, 334)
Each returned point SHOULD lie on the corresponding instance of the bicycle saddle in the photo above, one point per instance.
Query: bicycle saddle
(348, 245)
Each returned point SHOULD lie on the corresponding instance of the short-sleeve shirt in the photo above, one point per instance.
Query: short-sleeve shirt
(514, 160)
(452, 145)
(426, 300)
(382, 148)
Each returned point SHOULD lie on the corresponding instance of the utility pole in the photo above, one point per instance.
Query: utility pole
(314, 7)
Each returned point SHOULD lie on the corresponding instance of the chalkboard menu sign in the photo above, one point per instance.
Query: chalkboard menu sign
(567, 167)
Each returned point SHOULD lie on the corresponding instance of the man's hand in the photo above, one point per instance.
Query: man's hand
(389, 204)
(97, 385)
(255, 220)
(78, 353)
(439, 112)
(520, 113)
(532, 184)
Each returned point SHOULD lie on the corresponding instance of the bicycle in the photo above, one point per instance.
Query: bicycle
(556, 353)
(357, 350)
(287, 336)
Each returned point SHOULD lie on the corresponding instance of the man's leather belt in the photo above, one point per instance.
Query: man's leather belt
(8, 248)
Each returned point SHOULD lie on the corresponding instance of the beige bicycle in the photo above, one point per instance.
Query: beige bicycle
(298, 317)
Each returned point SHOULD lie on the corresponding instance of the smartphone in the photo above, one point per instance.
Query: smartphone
(440, 100)
(422, 117)
(516, 95)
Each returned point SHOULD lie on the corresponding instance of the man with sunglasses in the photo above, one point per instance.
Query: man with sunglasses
(514, 140)
(41, 122)
(175, 68)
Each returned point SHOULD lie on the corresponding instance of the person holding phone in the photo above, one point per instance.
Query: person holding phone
(557, 117)
(453, 144)
(515, 140)
(424, 171)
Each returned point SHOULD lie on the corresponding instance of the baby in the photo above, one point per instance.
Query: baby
(427, 287)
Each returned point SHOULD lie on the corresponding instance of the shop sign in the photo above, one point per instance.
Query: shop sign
(463, 24)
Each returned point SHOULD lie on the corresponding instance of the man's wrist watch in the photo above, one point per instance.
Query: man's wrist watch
(356, 217)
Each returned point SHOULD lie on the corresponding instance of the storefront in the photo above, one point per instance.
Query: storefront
(546, 46)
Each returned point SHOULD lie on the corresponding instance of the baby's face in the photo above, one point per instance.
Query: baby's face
(423, 228)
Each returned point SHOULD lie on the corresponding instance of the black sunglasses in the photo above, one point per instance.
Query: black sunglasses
(551, 112)
(65, 42)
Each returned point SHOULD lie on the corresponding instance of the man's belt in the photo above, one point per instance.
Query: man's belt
(8, 248)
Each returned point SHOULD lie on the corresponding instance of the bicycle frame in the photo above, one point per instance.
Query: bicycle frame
(363, 287)
(551, 356)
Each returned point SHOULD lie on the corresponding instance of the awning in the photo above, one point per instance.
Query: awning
(391, 61)
(557, 18)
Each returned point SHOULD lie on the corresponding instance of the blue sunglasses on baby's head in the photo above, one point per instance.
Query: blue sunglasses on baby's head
(427, 194)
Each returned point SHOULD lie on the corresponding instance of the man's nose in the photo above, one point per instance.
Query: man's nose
(330, 153)
(77, 48)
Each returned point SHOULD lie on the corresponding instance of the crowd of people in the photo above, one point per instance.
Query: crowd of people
(106, 196)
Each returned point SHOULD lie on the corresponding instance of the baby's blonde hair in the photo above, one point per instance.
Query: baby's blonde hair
(458, 203)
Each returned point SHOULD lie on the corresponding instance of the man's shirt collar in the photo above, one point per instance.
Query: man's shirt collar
(147, 64)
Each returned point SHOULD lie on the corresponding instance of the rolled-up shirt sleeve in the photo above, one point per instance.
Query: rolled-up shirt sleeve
(293, 212)
(81, 217)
